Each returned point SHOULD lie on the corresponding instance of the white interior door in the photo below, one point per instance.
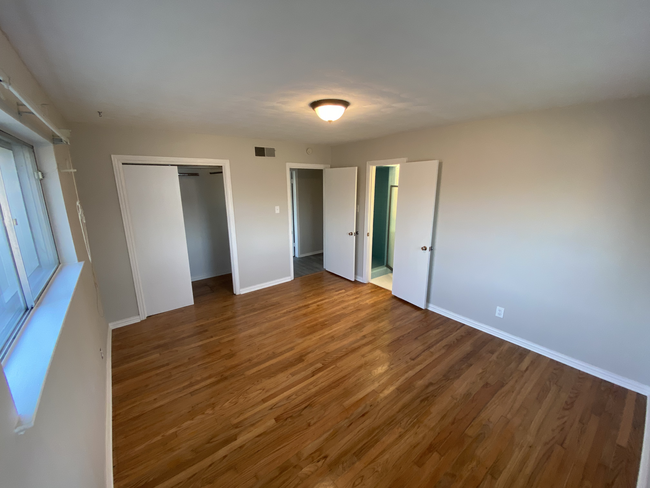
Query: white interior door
(156, 212)
(340, 221)
(416, 205)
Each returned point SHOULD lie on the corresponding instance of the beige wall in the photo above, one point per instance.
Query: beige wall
(309, 194)
(548, 215)
(259, 184)
(65, 448)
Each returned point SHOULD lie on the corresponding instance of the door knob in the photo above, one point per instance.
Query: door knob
(424, 248)
(350, 233)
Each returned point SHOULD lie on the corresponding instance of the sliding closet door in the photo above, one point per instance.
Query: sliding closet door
(340, 221)
(416, 206)
(154, 203)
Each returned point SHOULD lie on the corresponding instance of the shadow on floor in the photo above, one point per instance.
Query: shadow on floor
(307, 265)
(217, 284)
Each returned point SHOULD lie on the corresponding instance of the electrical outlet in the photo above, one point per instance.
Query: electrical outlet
(500, 311)
(101, 352)
(277, 209)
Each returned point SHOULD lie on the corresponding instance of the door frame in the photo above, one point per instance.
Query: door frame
(294, 216)
(291, 166)
(390, 204)
(371, 168)
(119, 161)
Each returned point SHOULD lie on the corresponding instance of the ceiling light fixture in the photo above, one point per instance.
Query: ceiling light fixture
(330, 109)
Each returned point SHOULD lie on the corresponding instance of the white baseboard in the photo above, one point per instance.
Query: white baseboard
(310, 254)
(569, 361)
(109, 410)
(643, 480)
(124, 322)
(248, 289)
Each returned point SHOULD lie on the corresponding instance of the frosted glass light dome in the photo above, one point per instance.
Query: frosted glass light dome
(330, 109)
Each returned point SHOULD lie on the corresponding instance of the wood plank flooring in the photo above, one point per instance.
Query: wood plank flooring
(325, 383)
(307, 265)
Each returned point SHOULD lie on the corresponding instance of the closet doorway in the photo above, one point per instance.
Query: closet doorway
(305, 194)
(179, 223)
(206, 222)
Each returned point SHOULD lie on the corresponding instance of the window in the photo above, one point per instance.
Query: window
(28, 257)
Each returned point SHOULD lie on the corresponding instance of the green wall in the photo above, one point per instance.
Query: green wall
(380, 218)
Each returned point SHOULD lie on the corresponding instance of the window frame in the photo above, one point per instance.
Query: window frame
(31, 301)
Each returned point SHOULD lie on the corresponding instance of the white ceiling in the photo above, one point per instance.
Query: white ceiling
(251, 67)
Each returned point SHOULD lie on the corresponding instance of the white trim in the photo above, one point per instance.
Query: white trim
(295, 228)
(370, 209)
(28, 363)
(265, 285)
(232, 234)
(119, 160)
(31, 312)
(128, 230)
(643, 480)
(291, 166)
(109, 410)
(360, 278)
(549, 353)
(310, 254)
(124, 322)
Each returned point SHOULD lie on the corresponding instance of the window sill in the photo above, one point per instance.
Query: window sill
(28, 362)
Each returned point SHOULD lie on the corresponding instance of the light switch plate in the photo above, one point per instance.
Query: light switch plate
(277, 209)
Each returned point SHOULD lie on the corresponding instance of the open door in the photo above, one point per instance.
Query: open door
(340, 221)
(418, 184)
(156, 214)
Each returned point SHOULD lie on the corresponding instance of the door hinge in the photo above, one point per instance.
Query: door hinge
(40, 175)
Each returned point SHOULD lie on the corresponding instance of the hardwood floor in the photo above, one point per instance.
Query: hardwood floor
(307, 265)
(321, 382)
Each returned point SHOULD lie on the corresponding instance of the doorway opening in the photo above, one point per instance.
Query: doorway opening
(206, 227)
(400, 231)
(382, 191)
(307, 215)
(383, 225)
(305, 195)
(179, 223)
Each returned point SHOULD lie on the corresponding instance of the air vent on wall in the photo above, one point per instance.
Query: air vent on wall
(265, 152)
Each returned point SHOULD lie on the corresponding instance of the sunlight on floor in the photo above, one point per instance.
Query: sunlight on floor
(385, 281)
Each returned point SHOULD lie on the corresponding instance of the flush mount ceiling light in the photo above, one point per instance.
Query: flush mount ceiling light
(329, 109)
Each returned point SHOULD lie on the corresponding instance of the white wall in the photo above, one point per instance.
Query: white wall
(65, 448)
(206, 222)
(309, 196)
(548, 215)
(259, 185)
